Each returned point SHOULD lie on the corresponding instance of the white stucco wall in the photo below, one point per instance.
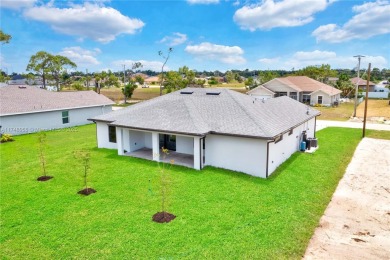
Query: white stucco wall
(35, 122)
(148, 140)
(281, 151)
(137, 140)
(102, 136)
(184, 144)
(236, 153)
(327, 100)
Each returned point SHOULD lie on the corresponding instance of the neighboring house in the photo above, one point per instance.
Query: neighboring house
(26, 109)
(362, 84)
(303, 89)
(152, 80)
(217, 127)
(261, 93)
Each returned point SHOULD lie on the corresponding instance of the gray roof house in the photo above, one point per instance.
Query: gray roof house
(26, 109)
(217, 127)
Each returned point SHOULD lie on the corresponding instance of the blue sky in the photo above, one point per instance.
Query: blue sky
(204, 34)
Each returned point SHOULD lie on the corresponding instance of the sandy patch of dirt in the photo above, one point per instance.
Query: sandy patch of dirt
(356, 223)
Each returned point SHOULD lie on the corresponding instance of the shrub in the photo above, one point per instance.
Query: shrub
(78, 86)
(6, 138)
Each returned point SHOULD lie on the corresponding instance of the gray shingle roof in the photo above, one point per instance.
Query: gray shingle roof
(229, 113)
(29, 99)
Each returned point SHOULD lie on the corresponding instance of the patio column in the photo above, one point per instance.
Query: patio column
(197, 152)
(156, 146)
(119, 140)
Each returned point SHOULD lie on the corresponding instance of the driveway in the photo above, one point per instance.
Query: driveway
(356, 223)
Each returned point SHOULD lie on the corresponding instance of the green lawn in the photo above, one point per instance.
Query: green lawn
(220, 214)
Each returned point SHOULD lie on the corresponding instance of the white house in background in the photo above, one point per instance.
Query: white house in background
(26, 109)
(261, 93)
(303, 89)
(221, 128)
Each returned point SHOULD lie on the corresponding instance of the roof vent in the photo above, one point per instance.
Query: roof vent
(213, 93)
(186, 92)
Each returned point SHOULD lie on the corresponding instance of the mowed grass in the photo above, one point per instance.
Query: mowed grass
(220, 214)
(340, 113)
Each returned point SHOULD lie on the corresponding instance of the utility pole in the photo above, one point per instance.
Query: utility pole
(124, 74)
(366, 101)
(357, 83)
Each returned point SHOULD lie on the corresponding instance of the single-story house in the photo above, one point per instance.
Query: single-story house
(217, 127)
(26, 109)
(303, 89)
(362, 84)
(152, 80)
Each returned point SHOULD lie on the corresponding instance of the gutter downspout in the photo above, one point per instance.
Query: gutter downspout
(266, 170)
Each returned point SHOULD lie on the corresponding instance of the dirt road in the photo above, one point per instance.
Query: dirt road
(356, 223)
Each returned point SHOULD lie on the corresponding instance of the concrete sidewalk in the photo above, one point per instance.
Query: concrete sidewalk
(321, 124)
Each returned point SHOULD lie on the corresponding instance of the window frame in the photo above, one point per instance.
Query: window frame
(318, 99)
(112, 134)
(65, 117)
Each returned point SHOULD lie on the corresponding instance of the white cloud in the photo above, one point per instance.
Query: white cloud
(269, 60)
(270, 14)
(146, 65)
(314, 55)
(175, 39)
(92, 21)
(203, 2)
(371, 19)
(225, 54)
(301, 59)
(81, 56)
(17, 4)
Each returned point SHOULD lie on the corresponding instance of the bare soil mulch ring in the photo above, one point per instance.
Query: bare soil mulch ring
(44, 178)
(87, 191)
(163, 217)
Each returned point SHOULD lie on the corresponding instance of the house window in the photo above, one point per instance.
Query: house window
(278, 139)
(319, 99)
(65, 117)
(294, 95)
(306, 99)
(281, 94)
(111, 134)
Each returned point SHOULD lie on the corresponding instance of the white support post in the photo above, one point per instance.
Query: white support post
(119, 140)
(126, 140)
(156, 146)
(197, 153)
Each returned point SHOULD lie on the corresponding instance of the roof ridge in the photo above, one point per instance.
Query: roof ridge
(238, 101)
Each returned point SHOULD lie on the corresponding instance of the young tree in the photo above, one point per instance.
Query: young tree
(128, 90)
(85, 156)
(4, 38)
(42, 156)
(40, 64)
(160, 53)
(165, 183)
